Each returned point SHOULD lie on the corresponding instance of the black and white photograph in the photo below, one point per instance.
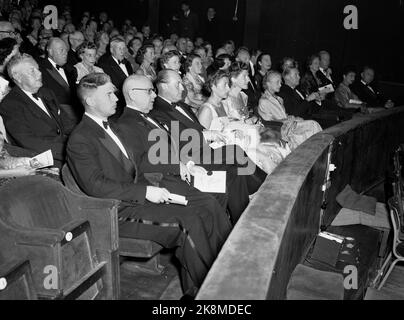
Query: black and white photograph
(200, 157)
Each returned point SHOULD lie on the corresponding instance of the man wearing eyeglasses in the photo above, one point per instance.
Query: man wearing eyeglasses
(7, 30)
(106, 166)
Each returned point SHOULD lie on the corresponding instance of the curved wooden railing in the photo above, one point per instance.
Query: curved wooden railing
(275, 231)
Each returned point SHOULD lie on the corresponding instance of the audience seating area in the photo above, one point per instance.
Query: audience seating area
(56, 242)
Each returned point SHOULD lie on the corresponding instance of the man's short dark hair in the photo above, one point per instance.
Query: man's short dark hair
(89, 83)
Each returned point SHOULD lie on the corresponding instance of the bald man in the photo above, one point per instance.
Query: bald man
(60, 79)
(105, 165)
(138, 125)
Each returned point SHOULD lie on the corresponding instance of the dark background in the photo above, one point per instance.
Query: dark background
(295, 28)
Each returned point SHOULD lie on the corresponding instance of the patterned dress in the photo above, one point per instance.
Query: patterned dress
(266, 155)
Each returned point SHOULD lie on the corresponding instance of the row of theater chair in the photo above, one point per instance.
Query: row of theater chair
(58, 243)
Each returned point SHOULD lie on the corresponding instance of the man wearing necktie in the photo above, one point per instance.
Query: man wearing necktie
(31, 113)
(107, 162)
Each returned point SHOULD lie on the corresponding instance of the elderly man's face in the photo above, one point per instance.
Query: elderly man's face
(76, 39)
(118, 50)
(294, 77)
(58, 52)
(368, 75)
(29, 76)
(243, 56)
(143, 95)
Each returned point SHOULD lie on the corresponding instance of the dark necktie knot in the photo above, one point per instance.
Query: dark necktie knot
(105, 124)
(121, 62)
(35, 96)
(59, 67)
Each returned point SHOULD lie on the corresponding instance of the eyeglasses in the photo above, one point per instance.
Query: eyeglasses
(149, 90)
(10, 32)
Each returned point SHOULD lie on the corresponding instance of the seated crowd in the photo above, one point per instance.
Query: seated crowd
(95, 94)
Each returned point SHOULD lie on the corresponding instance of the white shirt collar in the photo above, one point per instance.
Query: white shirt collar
(52, 62)
(3, 82)
(364, 83)
(133, 108)
(29, 94)
(96, 119)
(116, 60)
(165, 100)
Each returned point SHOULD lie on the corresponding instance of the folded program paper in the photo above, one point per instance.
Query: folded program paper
(326, 89)
(213, 181)
(177, 199)
(42, 160)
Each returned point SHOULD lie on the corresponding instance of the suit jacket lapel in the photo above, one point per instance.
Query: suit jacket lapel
(34, 108)
(112, 148)
(117, 68)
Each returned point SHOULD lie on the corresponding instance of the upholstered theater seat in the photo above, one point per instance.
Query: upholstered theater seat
(145, 251)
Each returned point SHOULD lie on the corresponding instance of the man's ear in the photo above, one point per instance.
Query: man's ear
(90, 101)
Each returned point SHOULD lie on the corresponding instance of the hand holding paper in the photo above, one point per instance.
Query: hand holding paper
(42, 160)
(177, 199)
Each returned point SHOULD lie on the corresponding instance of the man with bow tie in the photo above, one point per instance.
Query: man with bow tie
(106, 163)
(367, 92)
(59, 79)
(31, 112)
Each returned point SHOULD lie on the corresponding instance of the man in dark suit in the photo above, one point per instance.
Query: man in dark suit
(105, 166)
(75, 39)
(367, 91)
(294, 101)
(140, 126)
(177, 115)
(324, 73)
(188, 22)
(117, 67)
(31, 113)
(59, 79)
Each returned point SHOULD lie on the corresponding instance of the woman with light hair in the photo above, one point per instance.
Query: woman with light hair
(87, 52)
(261, 144)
